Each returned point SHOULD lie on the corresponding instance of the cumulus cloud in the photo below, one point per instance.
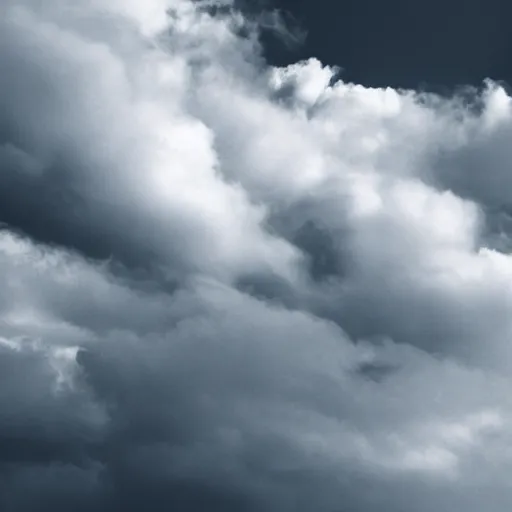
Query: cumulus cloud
(228, 286)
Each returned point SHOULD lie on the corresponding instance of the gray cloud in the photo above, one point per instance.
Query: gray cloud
(234, 287)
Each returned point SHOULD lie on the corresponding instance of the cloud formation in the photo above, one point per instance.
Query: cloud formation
(233, 287)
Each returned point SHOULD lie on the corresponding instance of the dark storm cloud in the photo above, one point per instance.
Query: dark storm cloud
(237, 287)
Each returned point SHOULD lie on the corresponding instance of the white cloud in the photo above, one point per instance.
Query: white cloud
(243, 284)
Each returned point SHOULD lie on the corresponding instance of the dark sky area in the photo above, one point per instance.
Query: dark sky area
(405, 43)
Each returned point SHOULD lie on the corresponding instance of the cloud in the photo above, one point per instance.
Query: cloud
(236, 287)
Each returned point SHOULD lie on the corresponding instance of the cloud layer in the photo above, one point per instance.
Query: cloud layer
(227, 286)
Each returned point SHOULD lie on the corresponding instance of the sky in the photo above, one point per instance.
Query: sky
(439, 45)
(240, 285)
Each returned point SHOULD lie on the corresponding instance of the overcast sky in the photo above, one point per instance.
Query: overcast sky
(235, 284)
